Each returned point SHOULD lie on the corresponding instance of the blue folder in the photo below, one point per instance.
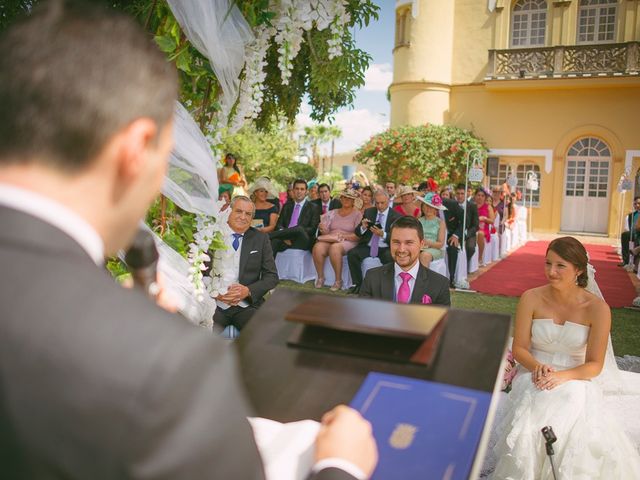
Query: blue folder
(424, 430)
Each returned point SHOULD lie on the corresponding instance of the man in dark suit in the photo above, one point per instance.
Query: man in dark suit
(453, 217)
(298, 222)
(373, 239)
(406, 280)
(96, 381)
(630, 233)
(324, 202)
(256, 272)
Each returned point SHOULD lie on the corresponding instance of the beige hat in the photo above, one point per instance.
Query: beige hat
(404, 189)
(349, 193)
(264, 183)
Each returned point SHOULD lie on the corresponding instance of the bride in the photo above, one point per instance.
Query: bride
(562, 344)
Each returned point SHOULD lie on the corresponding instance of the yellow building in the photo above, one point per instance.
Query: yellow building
(553, 86)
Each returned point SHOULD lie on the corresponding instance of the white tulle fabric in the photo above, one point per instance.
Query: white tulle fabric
(597, 422)
(219, 31)
(191, 183)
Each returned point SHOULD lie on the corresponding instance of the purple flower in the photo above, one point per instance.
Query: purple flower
(426, 300)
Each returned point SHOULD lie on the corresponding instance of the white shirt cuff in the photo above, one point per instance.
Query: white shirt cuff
(341, 464)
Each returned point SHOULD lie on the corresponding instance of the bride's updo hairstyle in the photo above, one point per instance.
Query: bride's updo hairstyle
(571, 250)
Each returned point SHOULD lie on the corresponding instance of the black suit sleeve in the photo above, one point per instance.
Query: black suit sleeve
(285, 215)
(312, 221)
(366, 290)
(268, 278)
(444, 296)
(474, 219)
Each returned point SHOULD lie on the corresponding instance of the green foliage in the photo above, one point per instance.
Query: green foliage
(288, 172)
(259, 153)
(410, 154)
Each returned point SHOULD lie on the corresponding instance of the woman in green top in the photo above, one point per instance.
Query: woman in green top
(433, 227)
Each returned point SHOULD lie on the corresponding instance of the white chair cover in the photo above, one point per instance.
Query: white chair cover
(461, 268)
(495, 241)
(521, 224)
(439, 266)
(297, 265)
(505, 242)
(473, 263)
(487, 255)
(330, 275)
(369, 263)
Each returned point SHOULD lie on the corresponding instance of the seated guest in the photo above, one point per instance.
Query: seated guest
(373, 232)
(433, 227)
(390, 188)
(297, 223)
(313, 190)
(254, 268)
(224, 195)
(367, 198)
(266, 214)
(231, 174)
(408, 206)
(630, 231)
(324, 201)
(337, 237)
(445, 192)
(406, 280)
(486, 216)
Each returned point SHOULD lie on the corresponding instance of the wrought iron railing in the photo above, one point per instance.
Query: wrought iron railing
(609, 58)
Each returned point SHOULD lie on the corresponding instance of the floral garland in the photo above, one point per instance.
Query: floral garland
(292, 19)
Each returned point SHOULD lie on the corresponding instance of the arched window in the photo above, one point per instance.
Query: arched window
(528, 23)
(597, 21)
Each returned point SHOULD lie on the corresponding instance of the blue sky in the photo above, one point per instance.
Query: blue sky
(370, 111)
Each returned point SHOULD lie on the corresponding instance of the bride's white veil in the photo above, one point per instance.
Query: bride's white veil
(610, 379)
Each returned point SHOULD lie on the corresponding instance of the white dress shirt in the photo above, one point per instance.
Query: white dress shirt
(57, 215)
(397, 279)
(236, 274)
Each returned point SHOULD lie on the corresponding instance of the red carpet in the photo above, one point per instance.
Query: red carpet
(524, 269)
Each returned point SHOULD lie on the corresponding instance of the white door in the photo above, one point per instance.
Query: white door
(586, 195)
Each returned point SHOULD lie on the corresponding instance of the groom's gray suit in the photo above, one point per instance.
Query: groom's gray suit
(97, 382)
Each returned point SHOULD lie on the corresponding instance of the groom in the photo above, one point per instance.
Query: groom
(97, 382)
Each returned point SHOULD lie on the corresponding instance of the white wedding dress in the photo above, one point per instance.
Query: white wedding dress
(592, 443)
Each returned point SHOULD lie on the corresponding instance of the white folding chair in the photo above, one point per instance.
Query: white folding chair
(297, 265)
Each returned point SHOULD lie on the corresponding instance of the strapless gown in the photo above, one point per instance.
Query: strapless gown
(592, 443)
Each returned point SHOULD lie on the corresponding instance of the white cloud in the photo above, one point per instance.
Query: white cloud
(378, 77)
(356, 125)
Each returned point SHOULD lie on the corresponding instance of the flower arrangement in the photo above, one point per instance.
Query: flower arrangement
(510, 371)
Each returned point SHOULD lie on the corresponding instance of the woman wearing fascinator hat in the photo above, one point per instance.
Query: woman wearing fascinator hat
(434, 228)
(567, 378)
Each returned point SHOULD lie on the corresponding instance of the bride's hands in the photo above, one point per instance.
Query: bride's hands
(540, 372)
(550, 379)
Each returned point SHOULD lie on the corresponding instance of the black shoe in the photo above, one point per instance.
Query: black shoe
(354, 290)
(622, 264)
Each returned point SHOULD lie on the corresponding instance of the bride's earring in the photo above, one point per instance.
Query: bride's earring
(577, 279)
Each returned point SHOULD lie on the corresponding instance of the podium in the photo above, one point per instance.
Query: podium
(287, 384)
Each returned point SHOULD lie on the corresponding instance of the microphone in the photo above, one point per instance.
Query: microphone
(142, 260)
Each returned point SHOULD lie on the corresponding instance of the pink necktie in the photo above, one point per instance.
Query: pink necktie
(404, 292)
(295, 216)
(324, 209)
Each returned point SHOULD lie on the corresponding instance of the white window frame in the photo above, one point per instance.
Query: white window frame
(521, 169)
(596, 6)
(528, 11)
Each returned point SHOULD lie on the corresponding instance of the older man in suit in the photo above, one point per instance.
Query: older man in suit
(406, 280)
(324, 202)
(453, 217)
(298, 222)
(373, 232)
(254, 268)
(96, 381)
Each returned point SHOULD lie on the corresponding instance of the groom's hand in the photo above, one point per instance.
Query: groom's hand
(344, 434)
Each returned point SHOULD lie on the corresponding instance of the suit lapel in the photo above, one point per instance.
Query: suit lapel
(420, 287)
(388, 281)
(247, 244)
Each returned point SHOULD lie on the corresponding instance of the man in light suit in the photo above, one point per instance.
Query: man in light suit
(324, 202)
(374, 241)
(96, 381)
(255, 268)
(298, 222)
(406, 280)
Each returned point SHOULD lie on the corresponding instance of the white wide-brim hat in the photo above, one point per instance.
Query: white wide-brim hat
(264, 183)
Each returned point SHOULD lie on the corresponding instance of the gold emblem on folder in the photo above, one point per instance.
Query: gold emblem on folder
(403, 435)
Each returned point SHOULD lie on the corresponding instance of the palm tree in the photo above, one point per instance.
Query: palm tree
(316, 135)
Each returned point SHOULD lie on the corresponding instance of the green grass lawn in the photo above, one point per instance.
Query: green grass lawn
(625, 330)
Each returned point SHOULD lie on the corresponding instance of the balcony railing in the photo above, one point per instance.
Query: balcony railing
(563, 61)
